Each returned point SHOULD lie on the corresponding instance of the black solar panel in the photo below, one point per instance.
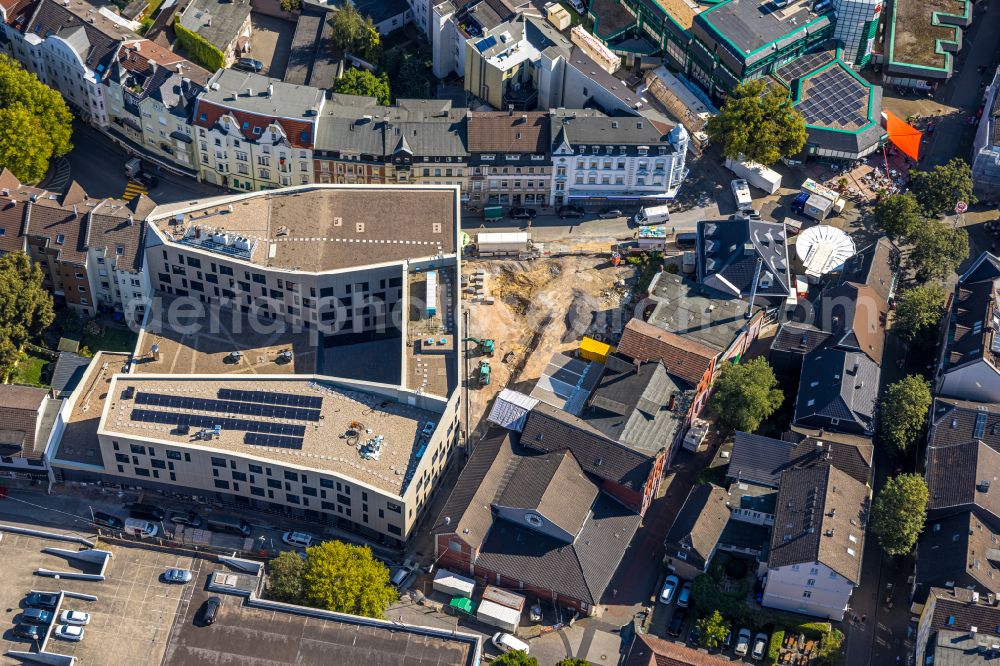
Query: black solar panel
(834, 98)
(804, 64)
(277, 441)
(227, 407)
(201, 421)
(271, 398)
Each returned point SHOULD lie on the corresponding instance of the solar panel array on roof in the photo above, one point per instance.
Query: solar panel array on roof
(277, 441)
(226, 423)
(227, 406)
(484, 45)
(804, 64)
(834, 98)
(271, 398)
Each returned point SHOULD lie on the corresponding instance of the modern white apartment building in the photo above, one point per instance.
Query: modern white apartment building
(256, 133)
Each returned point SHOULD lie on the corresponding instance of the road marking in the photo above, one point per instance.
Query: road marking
(132, 190)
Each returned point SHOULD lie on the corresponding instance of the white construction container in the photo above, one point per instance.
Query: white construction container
(453, 585)
(757, 175)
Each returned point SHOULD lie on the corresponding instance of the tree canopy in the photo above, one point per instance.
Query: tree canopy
(904, 410)
(355, 33)
(918, 312)
(346, 578)
(573, 662)
(285, 576)
(291, 5)
(938, 249)
(712, 630)
(899, 512)
(25, 307)
(898, 215)
(758, 124)
(35, 123)
(939, 189)
(745, 395)
(357, 81)
(514, 658)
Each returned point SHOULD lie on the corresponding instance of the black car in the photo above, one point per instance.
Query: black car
(188, 518)
(566, 212)
(677, 622)
(523, 213)
(45, 600)
(693, 637)
(107, 520)
(30, 631)
(146, 512)
(249, 65)
(211, 609)
(147, 180)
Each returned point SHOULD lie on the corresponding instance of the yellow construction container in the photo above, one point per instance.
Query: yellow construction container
(592, 350)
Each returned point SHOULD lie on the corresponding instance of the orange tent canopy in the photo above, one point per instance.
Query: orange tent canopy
(902, 135)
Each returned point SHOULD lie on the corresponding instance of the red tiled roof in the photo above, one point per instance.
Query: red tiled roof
(685, 358)
(648, 650)
(293, 128)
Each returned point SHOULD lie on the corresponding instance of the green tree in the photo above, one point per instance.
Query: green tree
(291, 5)
(284, 577)
(346, 578)
(25, 307)
(573, 662)
(712, 630)
(898, 215)
(359, 81)
(918, 312)
(35, 125)
(938, 250)
(939, 189)
(899, 512)
(515, 658)
(412, 81)
(745, 395)
(354, 32)
(904, 410)
(758, 124)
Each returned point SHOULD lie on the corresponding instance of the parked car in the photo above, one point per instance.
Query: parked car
(146, 512)
(742, 643)
(297, 539)
(78, 618)
(728, 640)
(759, 646)
(523, 213)
(669, 588)
(507, 643)
(686, 239)
(579, 5)
(68, 632)
(30, 631)
(46, 600)
(210, 610)
(107, 520)
(401, 574)
(36, 616)
(565, 212)
(186, 518)
(677, 622)
(694, 638)
(177, 576)
(611, 213)
(147, 180)
(684, 598)
(249, 65)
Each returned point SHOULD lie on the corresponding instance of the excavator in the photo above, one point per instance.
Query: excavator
(486, 345)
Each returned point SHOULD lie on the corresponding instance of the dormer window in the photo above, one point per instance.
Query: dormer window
(60, 239)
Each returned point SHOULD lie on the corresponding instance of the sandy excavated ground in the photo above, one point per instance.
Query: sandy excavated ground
(541, 307)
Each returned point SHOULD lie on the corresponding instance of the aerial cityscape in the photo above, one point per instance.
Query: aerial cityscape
(511, 332)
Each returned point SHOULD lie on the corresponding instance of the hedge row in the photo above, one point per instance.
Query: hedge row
(197, 48)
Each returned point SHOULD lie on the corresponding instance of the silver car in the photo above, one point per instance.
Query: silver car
(177, 576)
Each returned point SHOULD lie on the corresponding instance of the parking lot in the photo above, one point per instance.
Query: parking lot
(663, 614)
(130, 620)
(271, 42)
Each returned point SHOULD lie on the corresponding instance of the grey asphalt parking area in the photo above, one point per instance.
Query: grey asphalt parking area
(129, 622)
(271, 42)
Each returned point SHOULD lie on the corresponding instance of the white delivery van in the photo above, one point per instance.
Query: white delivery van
(140, 528)
(650, 215)
(507, 643)
(741, 192)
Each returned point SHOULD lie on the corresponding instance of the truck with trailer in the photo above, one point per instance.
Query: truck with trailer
(757, 175)
(508, 245)
(650, 215)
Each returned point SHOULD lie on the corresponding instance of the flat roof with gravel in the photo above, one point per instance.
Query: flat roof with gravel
(320, 228)
(300, 422)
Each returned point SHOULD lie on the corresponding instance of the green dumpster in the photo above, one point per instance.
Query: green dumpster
(493, 213)
(462, 605)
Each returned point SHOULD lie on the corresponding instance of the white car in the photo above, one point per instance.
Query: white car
(669, 588)
(78, 618)
(69, 632)
(297, 539)
(759, 646)
(742, 643)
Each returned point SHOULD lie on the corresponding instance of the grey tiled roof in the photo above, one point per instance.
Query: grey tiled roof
(961, 549)
(642, 409)
(838, 385)
(955, 610)
(821, 517)
(973, 306)
(728, 255)
(761, 460)
(68, 372)
(590, 127)
(798, 338)
(960, 421)
(876, 266)
(96, 42)
(550, 484)
(960, 476)
(700, 522)
(551, 429)
(216, 21)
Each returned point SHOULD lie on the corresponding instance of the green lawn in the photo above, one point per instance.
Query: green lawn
(114, 339)
(30, 369)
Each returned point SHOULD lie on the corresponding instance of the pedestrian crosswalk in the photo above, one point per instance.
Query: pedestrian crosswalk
(133, 189)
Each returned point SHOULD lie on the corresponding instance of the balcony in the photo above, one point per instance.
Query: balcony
(523, 97)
